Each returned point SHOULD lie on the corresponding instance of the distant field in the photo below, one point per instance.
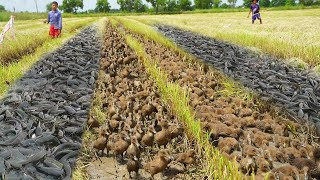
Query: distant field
(32, 41)
(286, 34)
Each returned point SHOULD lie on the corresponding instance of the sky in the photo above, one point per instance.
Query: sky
(29, 5)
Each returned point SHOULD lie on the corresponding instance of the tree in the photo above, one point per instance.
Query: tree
(72, 6)
(264, 3)
(216, 3)
(2, 8)
(102, 6)
(232, 3)
(290, 2)
(247, 3)
(225, 6)
(138, 6)
(48, 6)
(308, 2)
(203, 4)
(185, 5)
(171, 5)
(156, 4)
(125, 5)
(275, 3)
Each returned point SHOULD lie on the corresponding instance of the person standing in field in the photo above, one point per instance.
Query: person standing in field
(55, 20)
(255, 8)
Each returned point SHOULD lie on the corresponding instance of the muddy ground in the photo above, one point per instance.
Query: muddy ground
(244, 130)
(132, 104)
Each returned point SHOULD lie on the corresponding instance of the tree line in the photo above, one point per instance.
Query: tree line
(179, 5)
(73, 6)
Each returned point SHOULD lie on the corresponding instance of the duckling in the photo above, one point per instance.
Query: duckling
(120, 145)
(148, 138)
(138, 132)
(133, 166)
(160, 162)
(263, 165)
(301, 162)
(175, 131)
(247, 165)
(101, 142)
(110, 143)
(130, 121)
(111, 111)
(187, 157)
(249, 151)
(287, 170)
(245, 112)
(163, 137)
(133, 149)
(93, 123)
(228, 144)
(147, 110)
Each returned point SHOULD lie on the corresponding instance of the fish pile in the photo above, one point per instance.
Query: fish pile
(298, 91)
(44, 114)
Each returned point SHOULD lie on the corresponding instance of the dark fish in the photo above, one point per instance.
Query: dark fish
(34, 158)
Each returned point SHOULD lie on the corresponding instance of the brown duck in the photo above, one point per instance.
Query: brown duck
(160, 162)
(312, 165)
(188, 157)
(148, 138)
(133, 166)
(133, 150)
(101, 142)
(120, 145)
(163, 137)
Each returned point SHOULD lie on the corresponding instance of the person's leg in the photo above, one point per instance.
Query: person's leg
(51, 31)
(56, 33)
(253, 18)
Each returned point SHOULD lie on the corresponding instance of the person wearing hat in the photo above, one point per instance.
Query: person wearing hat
(255, 8)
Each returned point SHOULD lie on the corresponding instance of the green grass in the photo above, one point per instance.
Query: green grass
(10, 72)
(218, 167)
(284, 34)
(30, 35)
(177, 97)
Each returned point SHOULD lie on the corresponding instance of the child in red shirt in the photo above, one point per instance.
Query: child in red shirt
(55, 19)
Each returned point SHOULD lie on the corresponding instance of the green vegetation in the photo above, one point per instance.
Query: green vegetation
(277, 36)
(219, 167)
(12, 71)
(27, 41)
(2, 8)
(71, 6)
(102, 6)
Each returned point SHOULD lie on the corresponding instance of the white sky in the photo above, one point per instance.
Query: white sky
(29, 5)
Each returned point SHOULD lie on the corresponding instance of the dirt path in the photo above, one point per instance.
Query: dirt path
(133, 106)
(296, 90)
(43, 116)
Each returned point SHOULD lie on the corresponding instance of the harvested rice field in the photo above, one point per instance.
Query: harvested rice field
(137, 98)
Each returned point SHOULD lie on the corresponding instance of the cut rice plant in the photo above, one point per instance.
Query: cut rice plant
(219, 167)
(279, 35)
(26, 40)
(10, 72)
